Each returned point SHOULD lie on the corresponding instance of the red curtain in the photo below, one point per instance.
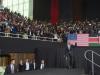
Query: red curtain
(54, 11)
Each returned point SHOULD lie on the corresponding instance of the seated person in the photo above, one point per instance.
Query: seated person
(11, 68)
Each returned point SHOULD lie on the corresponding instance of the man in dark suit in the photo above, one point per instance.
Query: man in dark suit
(11, 68)
(33, 65)
(69, 55)
(20, 66)
(27, 65)
(42, 65)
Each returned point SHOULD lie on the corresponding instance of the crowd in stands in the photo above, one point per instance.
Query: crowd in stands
(12, 22)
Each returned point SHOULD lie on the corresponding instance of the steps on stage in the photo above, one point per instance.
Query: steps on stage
(53, 72)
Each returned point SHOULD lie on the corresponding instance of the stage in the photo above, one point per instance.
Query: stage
(53, 72)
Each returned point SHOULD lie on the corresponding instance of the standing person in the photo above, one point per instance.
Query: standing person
(11, 68)
(34, 65)
(27, 65)
(21, 66)
(42, 65)
(31, 65)
(69, 55)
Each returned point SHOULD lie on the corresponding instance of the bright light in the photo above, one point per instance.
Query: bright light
(20, 6)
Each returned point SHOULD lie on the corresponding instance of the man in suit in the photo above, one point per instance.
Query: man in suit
(11, 68)
(34, 65)
(20, 66)
(42, 65)
(69, 55)
(27, 65)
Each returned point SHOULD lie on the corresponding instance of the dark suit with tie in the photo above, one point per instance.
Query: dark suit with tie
(31, 66)
(35, 66)
(8, 69)
(25, 66)
(42, 66)
(21, 67)
(69, 56)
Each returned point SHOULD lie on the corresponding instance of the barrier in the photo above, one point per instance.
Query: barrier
(25, 36)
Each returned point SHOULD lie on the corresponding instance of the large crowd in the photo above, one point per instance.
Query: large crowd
(13, 22)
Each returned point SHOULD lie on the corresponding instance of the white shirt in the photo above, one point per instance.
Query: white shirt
(27, 66)
(42, 66)
(12, 68)
(34, 65)
(69, 47)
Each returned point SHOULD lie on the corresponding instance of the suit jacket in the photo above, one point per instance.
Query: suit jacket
(21, 67)
(8, 69)
(69, 54)
(31, 66)
(44, 66)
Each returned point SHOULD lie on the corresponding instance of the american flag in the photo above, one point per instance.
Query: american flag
(83, 39)
(72, 38)
(79, 39)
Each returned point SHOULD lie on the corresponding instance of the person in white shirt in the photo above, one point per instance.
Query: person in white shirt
(42, 65)
(34, 65)
(11, 68)
(27, 65)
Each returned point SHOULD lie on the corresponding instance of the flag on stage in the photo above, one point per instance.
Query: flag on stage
(72, 38)
(82, 40)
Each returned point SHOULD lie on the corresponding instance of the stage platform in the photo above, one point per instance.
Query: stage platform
(53, 72)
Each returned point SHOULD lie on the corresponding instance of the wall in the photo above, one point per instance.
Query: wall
(31, 6)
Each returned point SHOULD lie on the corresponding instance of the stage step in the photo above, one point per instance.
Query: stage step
(54, 72)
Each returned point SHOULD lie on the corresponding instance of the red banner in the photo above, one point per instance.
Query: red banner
(54, 11)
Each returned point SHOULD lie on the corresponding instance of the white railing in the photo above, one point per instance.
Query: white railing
(25, 36)
(92, 61)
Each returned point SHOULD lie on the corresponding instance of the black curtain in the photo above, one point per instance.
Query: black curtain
(91, 8)
(41, 10)
(68, 9)
(65, 9)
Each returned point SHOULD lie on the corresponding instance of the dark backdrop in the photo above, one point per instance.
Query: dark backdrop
(68, 9)
(50, 51)
(53, 53)
(41, 9)
(91, 8)
(65, 9)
